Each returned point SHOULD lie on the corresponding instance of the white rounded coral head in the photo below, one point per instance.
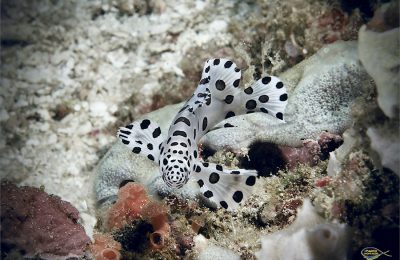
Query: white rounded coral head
(308, 237)
(329, 240)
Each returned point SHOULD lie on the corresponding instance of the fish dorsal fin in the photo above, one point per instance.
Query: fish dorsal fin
(220, 85)
(226, 188)
(267, 95)
(224, 78)
(142, 137)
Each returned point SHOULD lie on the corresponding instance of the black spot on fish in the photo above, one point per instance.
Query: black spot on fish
(237, 196)
(145, 124)
(220, 85)
(156, 132)
(266, 80)
(179, 133)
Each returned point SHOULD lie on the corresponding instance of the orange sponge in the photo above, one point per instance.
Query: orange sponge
(131, 199)
(133, 203)
(105, 247)
(156, 213)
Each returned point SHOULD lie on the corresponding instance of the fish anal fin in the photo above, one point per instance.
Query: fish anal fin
(226, 188)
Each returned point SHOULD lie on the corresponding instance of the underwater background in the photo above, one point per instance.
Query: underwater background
(73, 72)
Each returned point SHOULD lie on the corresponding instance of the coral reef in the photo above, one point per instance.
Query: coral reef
(312, 151)
(363, 197)
(311, 111)
(105, 247)
(322, 90)
(286, 32)
(379, 53)
(148, 228)
(286, 157)
(337, 158)
(37, 224)
(134, 203)
(361, 190)
(387, 143)
(308, 154)
(308, 237)
(72, 71)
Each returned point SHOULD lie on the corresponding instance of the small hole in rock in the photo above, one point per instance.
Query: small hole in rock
(124, 182)
(157, 239)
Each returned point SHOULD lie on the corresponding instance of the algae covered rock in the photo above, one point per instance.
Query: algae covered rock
(37, 224)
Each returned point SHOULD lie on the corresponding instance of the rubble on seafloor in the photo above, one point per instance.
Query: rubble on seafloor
(71, 72)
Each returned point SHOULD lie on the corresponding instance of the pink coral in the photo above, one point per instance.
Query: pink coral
(40, 224)
(105, 247)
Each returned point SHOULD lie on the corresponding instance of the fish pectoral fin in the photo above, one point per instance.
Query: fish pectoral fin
(227, 188)
(142, 137)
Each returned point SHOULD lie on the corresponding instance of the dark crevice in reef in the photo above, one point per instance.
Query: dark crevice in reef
(207, 152)
(382, 208)
(124, 182)
(366, 7)
(12, 42)
(264, 157)
(133, 237)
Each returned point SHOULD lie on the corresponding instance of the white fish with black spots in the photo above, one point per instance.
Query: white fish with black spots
(216, 98)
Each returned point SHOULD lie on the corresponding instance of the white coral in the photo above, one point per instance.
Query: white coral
(387, 145)
(379, 53)
(309, 237)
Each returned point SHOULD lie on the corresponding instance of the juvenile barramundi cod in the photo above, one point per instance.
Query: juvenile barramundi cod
(216, 98)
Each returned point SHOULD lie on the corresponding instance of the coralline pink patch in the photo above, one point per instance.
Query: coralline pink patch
(312, 151)
(328, 143)
(337, 210)
(332, 25)
(323, 181)
(40, 224)
(308, 154)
